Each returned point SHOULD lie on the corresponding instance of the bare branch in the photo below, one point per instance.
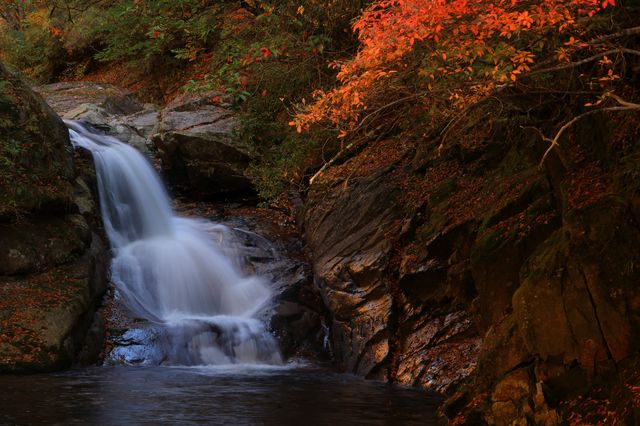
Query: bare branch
(584, 61)
(622, 33)
(624, 106)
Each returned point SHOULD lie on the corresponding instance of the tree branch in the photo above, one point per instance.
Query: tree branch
(623, 106)
(622, 33)
(584, 61)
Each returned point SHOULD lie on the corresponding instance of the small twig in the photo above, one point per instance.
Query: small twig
(583, 61)
(378, 110)
(621, 33)
(340, 153)
(330, 163)
(624, 106)
(455, 120)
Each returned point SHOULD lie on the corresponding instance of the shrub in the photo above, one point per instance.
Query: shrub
(152, 33)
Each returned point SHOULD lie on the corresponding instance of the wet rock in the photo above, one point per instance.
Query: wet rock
(135, 129)
(137, 346)
(109, 109)
(200, 153)
(272, 249)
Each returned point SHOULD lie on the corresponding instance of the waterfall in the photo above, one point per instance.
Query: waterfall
(173, 271)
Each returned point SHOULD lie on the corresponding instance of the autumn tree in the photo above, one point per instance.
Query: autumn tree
(443, 55)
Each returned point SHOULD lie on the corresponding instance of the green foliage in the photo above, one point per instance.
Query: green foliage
(150, 33)
(47, 39)
(268, 59)
(33, 49)
(265, 55)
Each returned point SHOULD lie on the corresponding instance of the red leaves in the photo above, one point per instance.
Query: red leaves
(56, 32)
(265, 52)
(475, 46)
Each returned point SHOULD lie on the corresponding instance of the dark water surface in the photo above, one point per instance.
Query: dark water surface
(211, 396)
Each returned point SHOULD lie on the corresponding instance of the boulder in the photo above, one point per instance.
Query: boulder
(134, 129)
(200, 153)
(64, 97)
(36, 171)
(109, 109)
(52, 256)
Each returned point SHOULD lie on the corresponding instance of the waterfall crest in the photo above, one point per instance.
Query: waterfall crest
(173, 271)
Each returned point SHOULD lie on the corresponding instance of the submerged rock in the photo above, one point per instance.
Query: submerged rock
(52, 257)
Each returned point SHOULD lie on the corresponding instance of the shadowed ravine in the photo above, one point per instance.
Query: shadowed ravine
(212, 359)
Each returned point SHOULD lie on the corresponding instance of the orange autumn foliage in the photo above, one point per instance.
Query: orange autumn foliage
(448, 51)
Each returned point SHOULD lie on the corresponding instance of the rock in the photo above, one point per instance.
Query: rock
(67, 96)
(137, 346)
(111, 110)
(377, 328)
(272, 249)
(134, 130)
(200, 153)
(52, 256)
(41, 243)
(469, 270)
(36, 172)
(510, 404)
(45, 316)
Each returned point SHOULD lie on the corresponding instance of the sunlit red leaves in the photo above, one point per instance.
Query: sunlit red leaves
(476, 43)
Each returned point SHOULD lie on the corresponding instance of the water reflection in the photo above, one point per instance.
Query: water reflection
(234, 395)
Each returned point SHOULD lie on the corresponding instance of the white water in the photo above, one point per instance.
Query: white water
(174, 271)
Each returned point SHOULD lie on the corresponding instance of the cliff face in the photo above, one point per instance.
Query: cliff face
(52, 260)
(464, 267)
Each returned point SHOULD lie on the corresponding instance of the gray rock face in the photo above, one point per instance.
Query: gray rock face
(198, 149)
(114, 111)
(134, 129)
(64, 97)
(193, 136)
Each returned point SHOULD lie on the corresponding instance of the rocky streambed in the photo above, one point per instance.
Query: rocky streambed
(59, 310)
(192, 143)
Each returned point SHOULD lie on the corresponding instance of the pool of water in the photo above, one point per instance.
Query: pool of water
(238, 395)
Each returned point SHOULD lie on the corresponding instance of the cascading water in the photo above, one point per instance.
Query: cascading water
(173, 271)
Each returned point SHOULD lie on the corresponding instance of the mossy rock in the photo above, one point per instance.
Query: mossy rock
(36, 170)
(44, 317)
(42, 242)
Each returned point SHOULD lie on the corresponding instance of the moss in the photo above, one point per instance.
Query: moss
(35, 163)
(547, 257)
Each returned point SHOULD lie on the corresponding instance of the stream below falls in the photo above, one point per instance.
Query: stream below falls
(234, 395)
